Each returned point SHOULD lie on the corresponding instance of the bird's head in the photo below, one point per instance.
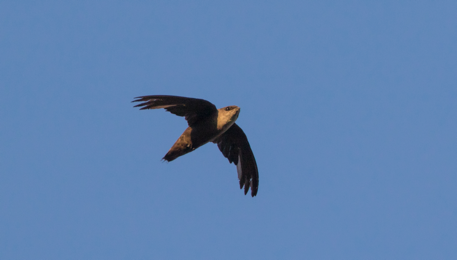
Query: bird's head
(229, 113)
(227, 116)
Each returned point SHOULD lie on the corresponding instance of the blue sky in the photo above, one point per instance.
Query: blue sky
(350, 108)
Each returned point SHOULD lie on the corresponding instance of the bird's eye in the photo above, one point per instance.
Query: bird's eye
(227, 108)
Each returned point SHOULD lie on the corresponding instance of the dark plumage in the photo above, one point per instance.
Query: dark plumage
(209, 124)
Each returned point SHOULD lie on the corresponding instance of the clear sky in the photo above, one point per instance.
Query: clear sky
(350, 108)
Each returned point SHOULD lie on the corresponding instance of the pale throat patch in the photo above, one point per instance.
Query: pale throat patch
(226, 120)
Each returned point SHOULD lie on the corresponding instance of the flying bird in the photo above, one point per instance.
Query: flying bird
(209, 124)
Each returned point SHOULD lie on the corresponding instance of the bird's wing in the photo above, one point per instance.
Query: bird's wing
(193, 109)
(235, 147)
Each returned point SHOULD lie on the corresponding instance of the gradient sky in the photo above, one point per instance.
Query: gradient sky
(350, 108)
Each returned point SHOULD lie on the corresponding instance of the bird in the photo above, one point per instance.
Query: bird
(207, 124)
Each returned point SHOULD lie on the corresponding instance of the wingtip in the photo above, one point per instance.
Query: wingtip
(246, 189)
(253, 192)
(137, 99)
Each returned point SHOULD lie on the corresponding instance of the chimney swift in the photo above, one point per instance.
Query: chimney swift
(209, 124)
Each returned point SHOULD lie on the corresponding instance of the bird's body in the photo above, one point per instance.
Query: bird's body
(202, 132)
(208, 124)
